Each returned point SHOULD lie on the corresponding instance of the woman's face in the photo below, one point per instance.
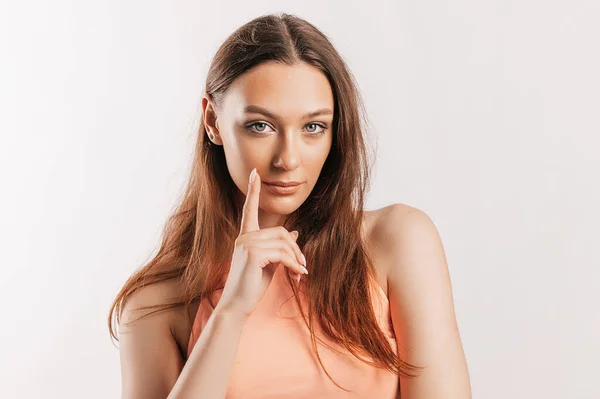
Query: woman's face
(265, 123)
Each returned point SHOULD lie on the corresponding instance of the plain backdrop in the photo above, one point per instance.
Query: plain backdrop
(485, 114)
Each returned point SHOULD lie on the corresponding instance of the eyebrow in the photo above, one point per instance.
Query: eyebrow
(255, 109)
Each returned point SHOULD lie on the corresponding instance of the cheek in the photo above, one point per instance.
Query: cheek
(240, 148)
(242, 155)
(321, 151)
(315, 158)
(254, 152)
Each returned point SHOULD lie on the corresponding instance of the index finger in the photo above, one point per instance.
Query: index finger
(250, 209)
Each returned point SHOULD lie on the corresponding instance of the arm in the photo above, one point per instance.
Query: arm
(422, 308)
(207, 371)
(151, 363)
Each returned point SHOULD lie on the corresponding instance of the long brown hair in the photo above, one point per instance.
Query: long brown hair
(208, 218)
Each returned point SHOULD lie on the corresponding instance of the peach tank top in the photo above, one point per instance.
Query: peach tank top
(275, 358)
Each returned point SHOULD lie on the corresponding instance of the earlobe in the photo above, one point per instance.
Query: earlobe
(215, 138)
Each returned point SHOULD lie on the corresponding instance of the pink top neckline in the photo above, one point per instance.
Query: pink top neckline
(275, 358)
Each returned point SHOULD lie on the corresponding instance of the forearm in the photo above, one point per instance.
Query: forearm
(207, 371)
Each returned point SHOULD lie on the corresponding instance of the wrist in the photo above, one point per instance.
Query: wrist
(232, 315)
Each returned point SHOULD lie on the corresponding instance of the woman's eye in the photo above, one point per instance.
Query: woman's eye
(258, 124)
(323, 128)
(312, 128)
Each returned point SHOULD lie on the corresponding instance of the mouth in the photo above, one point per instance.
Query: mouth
(283, 188)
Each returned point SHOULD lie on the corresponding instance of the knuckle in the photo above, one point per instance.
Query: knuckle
(286, 245)
(293, 255)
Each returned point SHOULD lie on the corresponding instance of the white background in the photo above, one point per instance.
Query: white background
(486, 115)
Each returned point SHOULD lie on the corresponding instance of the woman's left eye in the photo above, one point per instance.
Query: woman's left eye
(323, 128)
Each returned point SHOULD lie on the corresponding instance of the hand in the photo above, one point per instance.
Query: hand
(256, 256)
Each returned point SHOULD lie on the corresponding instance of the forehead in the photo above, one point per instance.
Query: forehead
(285, 90)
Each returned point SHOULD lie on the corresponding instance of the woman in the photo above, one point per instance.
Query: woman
(271, 280)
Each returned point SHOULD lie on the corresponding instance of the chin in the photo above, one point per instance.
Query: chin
(279, 206)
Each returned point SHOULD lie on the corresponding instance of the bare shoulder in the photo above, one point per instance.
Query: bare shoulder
(384, 229)
(152, 343)
(142, 305)
(411, 254)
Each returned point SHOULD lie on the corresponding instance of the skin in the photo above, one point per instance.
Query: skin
(406, 246)
(409, 253)
(283, 147)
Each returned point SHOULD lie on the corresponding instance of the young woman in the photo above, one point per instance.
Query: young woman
(271, 280)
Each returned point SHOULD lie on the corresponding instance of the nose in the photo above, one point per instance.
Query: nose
(288, 151)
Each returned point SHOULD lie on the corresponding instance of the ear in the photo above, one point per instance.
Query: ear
(211, 123)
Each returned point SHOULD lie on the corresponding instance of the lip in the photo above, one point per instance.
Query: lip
(289, 188)
(283, 183)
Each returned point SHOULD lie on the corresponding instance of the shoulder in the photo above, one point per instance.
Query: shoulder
(139, 313)
(395, 231)
(396, 218)
(148, 296)
(421, 301)
(151, 346)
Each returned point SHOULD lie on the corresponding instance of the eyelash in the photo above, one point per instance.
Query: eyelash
(322, 126)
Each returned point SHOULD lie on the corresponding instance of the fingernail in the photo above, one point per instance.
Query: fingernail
(304, 269)
(298, 278)
(252, 175)
(304, 259)
(295, 233)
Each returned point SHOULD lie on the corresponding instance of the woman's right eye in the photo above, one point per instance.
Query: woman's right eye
(257, 127)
